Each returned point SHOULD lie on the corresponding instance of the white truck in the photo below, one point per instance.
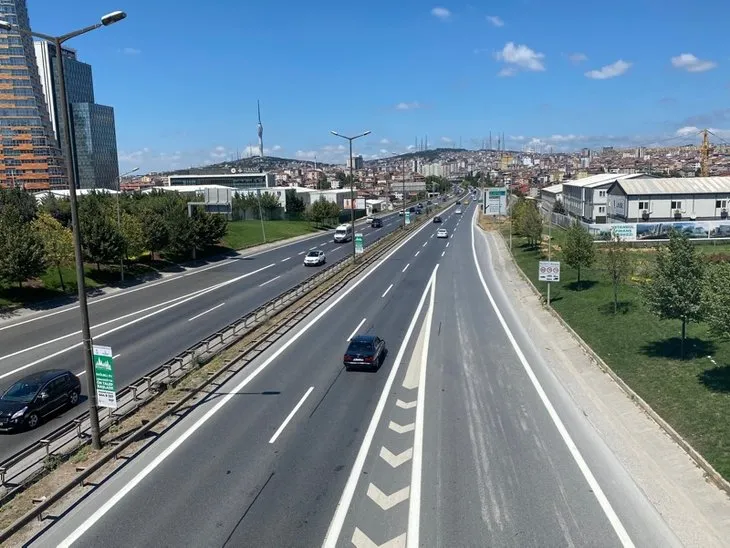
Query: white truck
(343, 233)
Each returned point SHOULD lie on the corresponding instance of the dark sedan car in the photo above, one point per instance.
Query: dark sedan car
(365, 351)
(36, 397)
(377, 223)
(437, 219)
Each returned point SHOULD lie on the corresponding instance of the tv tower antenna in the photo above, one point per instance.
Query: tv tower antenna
(260, 130)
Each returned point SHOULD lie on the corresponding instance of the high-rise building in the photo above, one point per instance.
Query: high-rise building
(30, 156)
(93, 132)
(357, 162)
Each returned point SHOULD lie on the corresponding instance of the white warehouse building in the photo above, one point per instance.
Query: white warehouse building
(671, 199)
(586, 198)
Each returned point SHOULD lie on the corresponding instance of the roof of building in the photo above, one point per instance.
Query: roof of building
(219, 175)
(593, 181)
(190, 188)
(553, 189)
(676, 185)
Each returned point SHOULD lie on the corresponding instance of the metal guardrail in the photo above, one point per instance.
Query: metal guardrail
(259, 345)
(23, 467)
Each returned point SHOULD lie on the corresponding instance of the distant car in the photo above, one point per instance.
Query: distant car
(315, 257)
(377, 223)
(369, 218)
(441, 233)
(400, 213)
(458, 211)
(37, 396)
(366, 351)
(437, 219)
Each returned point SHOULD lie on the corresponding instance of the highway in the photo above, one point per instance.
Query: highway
(462, 438)
(148, 324)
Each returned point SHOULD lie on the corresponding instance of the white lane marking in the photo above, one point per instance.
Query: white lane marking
(443, 253)
(269, 281)
(302, 252)
(405, 405)
(285, 260)
(115, 357)
(386, 291)
(425, 243)
(81, 373)
(395, 460)
(452, 235)
(414, 508)
(447, 244)
(406, 267)
(120, 294)
(361, 540)
(112, 501)
(386, 502)
(343, 506)
(431, 235)
(137, 320)
(354, 332)
(417, 252)
(291, 415)
(204, 313)
(613, 518)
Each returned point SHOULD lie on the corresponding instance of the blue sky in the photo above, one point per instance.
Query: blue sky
(184, 77)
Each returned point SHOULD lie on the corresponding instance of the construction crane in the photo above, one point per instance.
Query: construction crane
(705, 150)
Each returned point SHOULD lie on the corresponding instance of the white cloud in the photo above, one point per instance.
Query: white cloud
(495, 20)
(253, 150)
(441, 13)
(690, 63)
(131, 51)
(519, 57)
(411, 147)
(408, 106)
(384, 151)
(518, 138)
(577, 57)
(219, 153)
(384, 142)
(306, 154)
(689, 131)
(609, 71)
(447, 140)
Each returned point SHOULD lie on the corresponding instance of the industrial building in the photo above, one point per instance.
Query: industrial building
(641, 200)
(586, 198)
(238, 181)
(549, 195)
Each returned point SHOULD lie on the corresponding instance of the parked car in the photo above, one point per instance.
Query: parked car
(441, 233)
(364, 351)
(37, 396)
(315, 257)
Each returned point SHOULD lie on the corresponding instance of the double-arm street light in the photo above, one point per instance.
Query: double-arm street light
(352, 188)
(58, 41)
(119, 214)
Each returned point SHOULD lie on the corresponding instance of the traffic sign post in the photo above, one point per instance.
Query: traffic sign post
(106, 391)
(549, 271)
(358, 243)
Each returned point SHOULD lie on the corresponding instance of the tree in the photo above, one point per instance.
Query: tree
(617, 264)
(527, 221)
(21, 250)
(269, 203)
(133, 234)
(322, 183)
(155, 232)
(579, 249)
(675, 289)
(60, 209)
(716, 299)
(207, 229)
(294, 204)
(58, 243)
(101, 238)
(19, 201)
(180, 232)
(558, 207)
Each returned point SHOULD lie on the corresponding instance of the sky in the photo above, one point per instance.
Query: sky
(184, 77)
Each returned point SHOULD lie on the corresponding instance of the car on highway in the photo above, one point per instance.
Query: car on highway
(437, 219)
(315, 257)
(343, 233)
(364, 351)
(441, 233)
(37, 396)
(376, 223)
(458, 211)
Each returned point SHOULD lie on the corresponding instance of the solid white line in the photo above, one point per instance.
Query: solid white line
(204, 313)
(269, 281)
(112, 501)
(386, 291)
(291, 415)
(572, 447)
(417, 252)
(414, 508)
(137, 320)
(285, 260)
(406, 267)
(356, 330)
(343, 506)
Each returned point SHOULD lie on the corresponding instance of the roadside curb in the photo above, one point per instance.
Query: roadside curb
(710, 473)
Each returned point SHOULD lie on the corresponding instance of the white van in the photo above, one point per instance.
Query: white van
(343, 233)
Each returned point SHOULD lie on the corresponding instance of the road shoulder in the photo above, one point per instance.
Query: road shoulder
(696, 510)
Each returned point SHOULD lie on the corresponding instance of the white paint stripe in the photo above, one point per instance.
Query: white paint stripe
(269, 281)
(417, 252)
(414, 508)
(572, 447)
(425, 243)
(291, 415)
(115, 357)
(302, 252)
(356, 330)
(443, 253)
(147, 470)
(137, 320)
(81, 373)
(406, 267)
(285, 260)
(386, 291)
(343, 506)
(204, 313)
(447, 244)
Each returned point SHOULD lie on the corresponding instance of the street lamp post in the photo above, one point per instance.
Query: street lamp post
(119, 214)
(352, 188)
(58, 41)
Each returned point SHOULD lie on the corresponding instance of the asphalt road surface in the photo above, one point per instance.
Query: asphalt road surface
(462, 438)
(149, 324)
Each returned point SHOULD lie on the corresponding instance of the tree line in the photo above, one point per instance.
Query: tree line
(681, 284)
(36, 236)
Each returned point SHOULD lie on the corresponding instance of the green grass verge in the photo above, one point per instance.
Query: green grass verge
(693, 395)
(243, 234)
